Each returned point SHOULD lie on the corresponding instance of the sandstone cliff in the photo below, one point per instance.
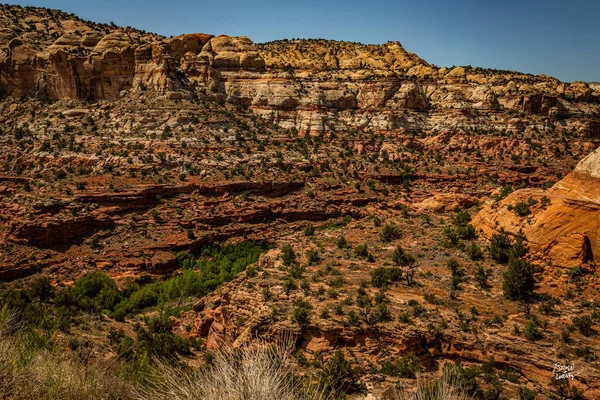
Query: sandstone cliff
(563, 225)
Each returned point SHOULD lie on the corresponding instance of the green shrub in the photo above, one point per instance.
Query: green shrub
(407, 366)
(288, 255)
(381, 277)
(474, 252)
(584, 324)
(518, 282)
(499, 247)
(531, 331)
(527, 394)
(481, 276)
(341, 242)
(390, 233)
(523, 208)
(302, 313)
(338, 376)
(309, 230)
(41, 289)
(313, 257)
(362, 251)
(401, 258)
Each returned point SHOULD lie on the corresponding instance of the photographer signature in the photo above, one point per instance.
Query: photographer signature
(564, 371)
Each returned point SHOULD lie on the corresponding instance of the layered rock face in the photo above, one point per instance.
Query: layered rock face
(309, 85)
(564, 224)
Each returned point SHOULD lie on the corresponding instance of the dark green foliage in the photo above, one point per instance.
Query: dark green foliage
(381, 277)
(518, 283)
(532, 331)
(401, 258)
(474, 252)
(341, 242)
(41, 289)
(584, 324)
(461, 229)
(456, 275)
(499, 247)
(390, 233)
(545, 201)
(519, 248)
(157, 340)
(362, 251)
(313, 257)
(523, 208)
(338, 376)
(527, 394)
(481, 276)
(407, 366)
(463, 377)
(309, 230)
(288, 255)
(302, 313)
(95, 292)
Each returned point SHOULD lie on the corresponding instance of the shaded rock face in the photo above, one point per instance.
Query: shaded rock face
(567, 229)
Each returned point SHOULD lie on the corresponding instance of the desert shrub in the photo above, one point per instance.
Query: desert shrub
(518, 248)
(583, 324)
(481, 276)
(460, 229)
(309, 230)
(390, 233)
(302, 313)
(527, 394)
(518, 282)
(499, 247)
(381, 277)
(362, 251)
(401, 258)
(94, 292)
(31, 368)
(452, 384)
(288, 255)
(523, 208)
(532, 331)
(407, 366)
(545, 201)
(41, 289)
(338, 376)
(313, 257)
(253, 373)
(474, 252)
(341, 242)
(157, 340)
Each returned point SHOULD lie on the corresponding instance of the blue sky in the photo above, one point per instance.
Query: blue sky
(560, 38)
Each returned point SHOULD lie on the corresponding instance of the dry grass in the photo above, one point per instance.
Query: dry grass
(446, 387)
(28, 372)
(250, 373)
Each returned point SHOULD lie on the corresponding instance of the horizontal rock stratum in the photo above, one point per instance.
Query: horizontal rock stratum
(54, 55)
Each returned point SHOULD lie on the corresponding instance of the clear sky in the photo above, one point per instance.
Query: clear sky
(560, 38)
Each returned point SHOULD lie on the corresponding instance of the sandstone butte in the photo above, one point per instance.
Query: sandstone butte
(122, 148)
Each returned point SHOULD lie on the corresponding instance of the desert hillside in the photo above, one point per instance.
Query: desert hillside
(165, 199)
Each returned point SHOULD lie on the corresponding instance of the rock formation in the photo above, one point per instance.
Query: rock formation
(563, 224)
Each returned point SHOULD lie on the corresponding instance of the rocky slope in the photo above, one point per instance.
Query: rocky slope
(121, 148)
(563, 225)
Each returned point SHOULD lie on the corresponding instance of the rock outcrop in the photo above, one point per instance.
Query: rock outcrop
(563, 224)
